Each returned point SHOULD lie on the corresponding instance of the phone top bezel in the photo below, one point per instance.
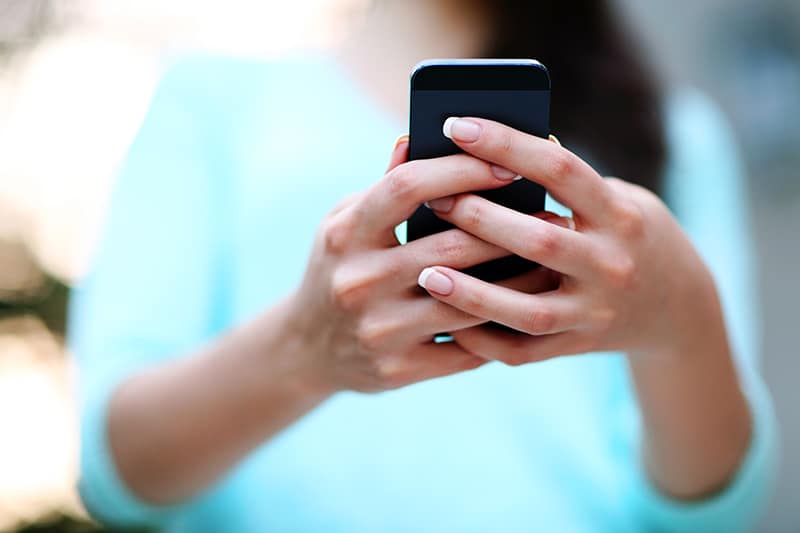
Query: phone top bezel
(480, 75)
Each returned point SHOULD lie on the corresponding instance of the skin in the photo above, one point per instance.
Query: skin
(626, 279)
(630, 281)
(357, 322)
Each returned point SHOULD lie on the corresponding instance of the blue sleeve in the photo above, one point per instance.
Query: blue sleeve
(156, 287)
(706, 189)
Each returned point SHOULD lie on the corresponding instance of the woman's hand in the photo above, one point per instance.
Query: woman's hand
(631, 280)
(362, 320)
(358, 321)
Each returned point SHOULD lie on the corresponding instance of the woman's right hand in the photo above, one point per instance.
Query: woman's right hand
(359, 315)
(358, 321)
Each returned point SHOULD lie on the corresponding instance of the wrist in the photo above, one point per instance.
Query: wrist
(304, 344)
(695, 416)
(279, 358)
(693, 325)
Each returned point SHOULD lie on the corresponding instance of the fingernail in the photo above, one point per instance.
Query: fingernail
(461, 129)
(553, 139)
(432, 280)
(443, 205)
(504, 174)
(400, 140)
(564, 222)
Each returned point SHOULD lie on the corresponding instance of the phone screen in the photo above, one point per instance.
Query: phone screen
(525, 110)
(513, 92)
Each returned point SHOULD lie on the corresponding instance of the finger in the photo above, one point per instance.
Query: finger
(517, 349)
(538, 280)
(399, 152)
(394, 198)
(398, 157)
(566, 177)
(453, 248)
(535, 314)
(529, 237)
(428, 317)
(430, 361)
(425, 317)
(400, 266)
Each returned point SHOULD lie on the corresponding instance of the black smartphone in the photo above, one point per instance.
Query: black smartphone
(515, 92)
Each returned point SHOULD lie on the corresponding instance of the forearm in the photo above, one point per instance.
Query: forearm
(696, 418)
(176, 428)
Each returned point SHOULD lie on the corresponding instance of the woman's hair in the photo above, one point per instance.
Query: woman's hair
(605, 101)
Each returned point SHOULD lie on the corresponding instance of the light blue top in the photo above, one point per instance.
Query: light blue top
(211, 222)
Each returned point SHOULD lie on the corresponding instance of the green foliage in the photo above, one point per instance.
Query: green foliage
(64, 524)
(48, 302)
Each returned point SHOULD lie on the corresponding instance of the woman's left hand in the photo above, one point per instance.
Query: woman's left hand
(630, 278)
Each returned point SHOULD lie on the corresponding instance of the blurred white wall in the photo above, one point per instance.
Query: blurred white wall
(69, 106)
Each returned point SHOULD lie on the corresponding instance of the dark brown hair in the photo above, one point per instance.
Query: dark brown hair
(605, 103)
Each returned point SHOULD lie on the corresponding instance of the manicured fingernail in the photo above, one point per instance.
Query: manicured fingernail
(432, 280)
(403, 139)
(553, 139)
(461, 129)
(443, 205)
(504, 174)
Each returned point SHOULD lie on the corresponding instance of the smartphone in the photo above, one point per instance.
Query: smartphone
(515, 92)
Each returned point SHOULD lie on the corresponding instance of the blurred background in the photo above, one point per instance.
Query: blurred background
(75, 80)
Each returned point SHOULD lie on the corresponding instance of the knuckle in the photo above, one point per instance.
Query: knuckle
(471, 212)
(337, 233)
(388, 372)
(372, 338)
(505, 142)
(539, 321)
(402, 181)
(373, 372)
(450, 246)
(622, 272)
(544, 241)
(562, 164)
(347, 297)
(629, 219)
(604, 320)
(348, 293)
